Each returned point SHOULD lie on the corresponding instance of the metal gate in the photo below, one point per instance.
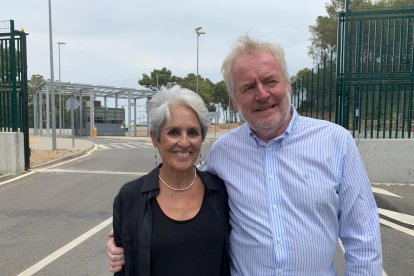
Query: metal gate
(375, 73)
(13, 84)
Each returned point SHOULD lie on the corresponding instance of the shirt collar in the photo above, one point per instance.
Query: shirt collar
(151, 182)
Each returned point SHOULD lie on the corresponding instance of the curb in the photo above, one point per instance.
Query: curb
(67, 157)
(8, 177)
(5, 176)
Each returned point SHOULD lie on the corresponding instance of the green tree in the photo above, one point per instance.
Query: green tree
(158, 78)
(32, 85)
(189, 82)
(205, 88)
(299, 75)
(211, 93)
(221, 97)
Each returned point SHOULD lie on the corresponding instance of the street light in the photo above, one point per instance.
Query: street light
(52, 88)
(198, 32)
(60, 92)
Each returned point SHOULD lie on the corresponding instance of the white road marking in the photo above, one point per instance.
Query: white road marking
(17, 178)
(393, 184)
(83, 171)
(131, 146)
(51, 166)
(124, 146)
(404, 218)
(63, 250)
(384, 192)
(116, 146)
(397, 227)
(103, 147)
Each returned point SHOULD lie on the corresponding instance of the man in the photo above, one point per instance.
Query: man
(295, 184)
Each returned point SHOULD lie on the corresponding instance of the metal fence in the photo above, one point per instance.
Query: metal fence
(314, 93)
(372, 83)
(13, 83)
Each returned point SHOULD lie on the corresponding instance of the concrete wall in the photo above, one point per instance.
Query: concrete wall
(388, 160)
(11, 153)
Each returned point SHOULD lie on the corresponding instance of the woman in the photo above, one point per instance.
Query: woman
(174, 220)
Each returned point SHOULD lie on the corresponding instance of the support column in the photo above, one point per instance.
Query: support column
(35, 129)
(135, 117)
(47, 110)
(63, 114)
(129, 114)
(91, 113)
(148, 124)
(80, 114)
(41, 113)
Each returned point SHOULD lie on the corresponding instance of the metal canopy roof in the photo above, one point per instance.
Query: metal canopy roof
(68, 88)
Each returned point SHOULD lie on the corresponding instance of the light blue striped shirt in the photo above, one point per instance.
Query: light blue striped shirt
(291, 198)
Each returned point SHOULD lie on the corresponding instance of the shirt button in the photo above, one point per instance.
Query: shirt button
(274, 208)
(279, 241)
(280, 271)
(269, 149)
(272, 177)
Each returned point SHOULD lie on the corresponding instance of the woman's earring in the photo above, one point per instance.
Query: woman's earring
(201, 162)
(156, 159)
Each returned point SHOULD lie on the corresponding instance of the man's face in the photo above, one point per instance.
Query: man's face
(261, 93)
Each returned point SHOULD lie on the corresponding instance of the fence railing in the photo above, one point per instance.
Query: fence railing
(367, 86)
(13, 83)
(313, 93)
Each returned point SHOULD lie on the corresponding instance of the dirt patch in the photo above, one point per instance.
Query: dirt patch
(38, 157)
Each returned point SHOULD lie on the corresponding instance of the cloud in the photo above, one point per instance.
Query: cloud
(114, 42)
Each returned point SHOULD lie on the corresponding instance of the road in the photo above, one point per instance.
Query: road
(48, 209)
(55, 220)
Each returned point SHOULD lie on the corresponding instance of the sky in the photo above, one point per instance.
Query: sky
(115, 42)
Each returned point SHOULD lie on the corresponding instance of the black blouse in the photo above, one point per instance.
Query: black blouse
(191, 247)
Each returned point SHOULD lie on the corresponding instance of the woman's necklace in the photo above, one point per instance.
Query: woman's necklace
(179, 189)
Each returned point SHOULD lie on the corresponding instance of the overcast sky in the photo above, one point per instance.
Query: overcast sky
(114, 42)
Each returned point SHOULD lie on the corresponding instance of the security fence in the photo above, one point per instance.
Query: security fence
(372, 83)
(13, 83)
(314, 93)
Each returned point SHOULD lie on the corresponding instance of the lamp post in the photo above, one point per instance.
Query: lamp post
(198, 32)
(52, 88)
(60, 92)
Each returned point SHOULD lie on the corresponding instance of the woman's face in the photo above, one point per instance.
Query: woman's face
(180, 139)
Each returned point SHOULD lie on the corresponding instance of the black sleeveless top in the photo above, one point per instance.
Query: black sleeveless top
(192, 247)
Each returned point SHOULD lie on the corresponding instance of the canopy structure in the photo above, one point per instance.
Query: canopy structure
(68, 88)
(76, 91)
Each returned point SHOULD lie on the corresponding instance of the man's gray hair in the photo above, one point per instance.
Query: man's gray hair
(246, 45)
(160, 104)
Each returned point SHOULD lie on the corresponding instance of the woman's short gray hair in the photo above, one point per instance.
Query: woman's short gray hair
(160, 104)
(246, 45)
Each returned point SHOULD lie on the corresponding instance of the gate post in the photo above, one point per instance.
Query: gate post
(13, 88)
